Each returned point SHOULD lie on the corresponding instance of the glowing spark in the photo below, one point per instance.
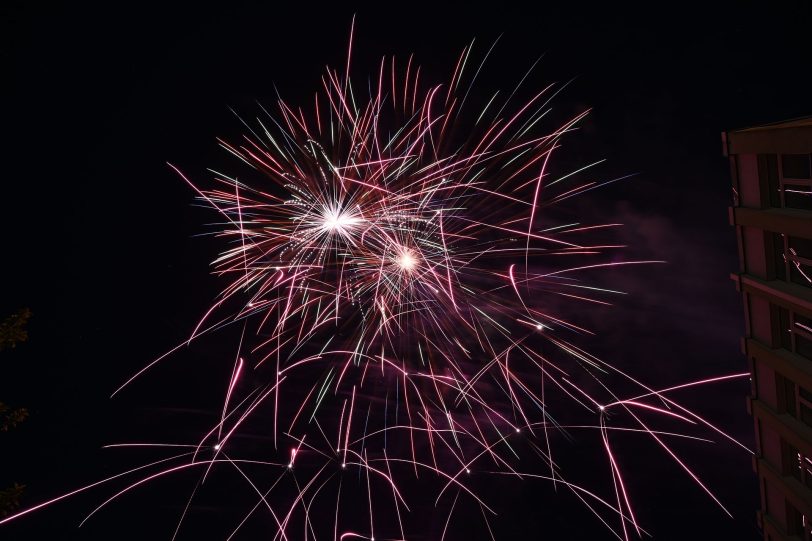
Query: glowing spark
(406, 260)
(338, 221)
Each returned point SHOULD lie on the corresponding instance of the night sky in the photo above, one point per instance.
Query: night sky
(99, 234)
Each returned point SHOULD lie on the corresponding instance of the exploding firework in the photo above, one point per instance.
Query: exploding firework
(405, 298)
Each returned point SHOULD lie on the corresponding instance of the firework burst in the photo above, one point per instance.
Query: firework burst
(398, 281)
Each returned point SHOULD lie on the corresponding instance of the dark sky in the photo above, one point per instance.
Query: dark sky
(97, 232)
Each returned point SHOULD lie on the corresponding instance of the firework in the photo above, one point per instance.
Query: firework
(405, 298)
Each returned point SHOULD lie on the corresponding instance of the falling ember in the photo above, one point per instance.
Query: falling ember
(389, 280)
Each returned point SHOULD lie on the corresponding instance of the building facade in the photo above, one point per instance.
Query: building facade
(771, 171)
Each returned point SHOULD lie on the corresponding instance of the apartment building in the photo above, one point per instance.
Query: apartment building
(772, 212)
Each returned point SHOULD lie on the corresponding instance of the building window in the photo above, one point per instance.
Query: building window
(797, 523)
(805, 406)
(795, 332)
(795, 166)
(796, 465)
(792, 258)
(788, 179)
(795, 181)
(803, 335)
(794, 399)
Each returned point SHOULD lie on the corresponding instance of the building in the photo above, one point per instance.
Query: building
(772, 197)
